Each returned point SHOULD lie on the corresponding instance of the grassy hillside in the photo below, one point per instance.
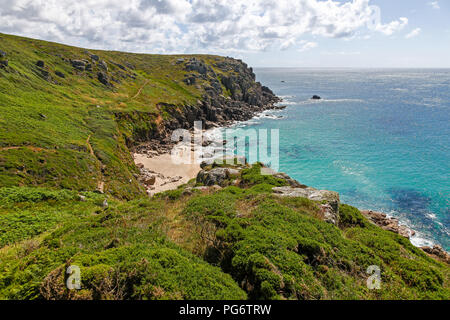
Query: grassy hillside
(63, 137)
(70, 132)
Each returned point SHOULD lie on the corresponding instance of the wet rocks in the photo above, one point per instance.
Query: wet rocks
(388, 223)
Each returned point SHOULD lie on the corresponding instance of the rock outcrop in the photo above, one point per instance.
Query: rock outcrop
(388, 223)
(216, 176)
(438, 253)
(246, 97)
(80, 65)
(329, 199)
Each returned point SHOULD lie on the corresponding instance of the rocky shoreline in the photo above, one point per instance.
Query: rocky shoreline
(238, 97)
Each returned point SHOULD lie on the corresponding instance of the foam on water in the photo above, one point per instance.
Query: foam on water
(379, 137)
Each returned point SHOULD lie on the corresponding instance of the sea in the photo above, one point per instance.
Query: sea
(379, 137)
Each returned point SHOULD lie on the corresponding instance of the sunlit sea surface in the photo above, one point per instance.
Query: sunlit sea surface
(381, 138)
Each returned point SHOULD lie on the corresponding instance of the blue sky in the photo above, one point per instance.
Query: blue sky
(264, 33)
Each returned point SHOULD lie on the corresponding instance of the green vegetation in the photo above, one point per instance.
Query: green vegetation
(74, 132)
(61, 137)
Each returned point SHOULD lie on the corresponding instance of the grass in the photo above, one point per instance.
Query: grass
(46, 121)
(61, 137)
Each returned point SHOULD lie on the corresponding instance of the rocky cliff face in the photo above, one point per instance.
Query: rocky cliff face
(231, 94)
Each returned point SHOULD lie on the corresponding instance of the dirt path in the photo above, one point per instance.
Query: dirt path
(140, 89)
(100, 183)
(91, 151)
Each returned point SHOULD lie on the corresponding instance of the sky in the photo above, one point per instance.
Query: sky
(281, 33)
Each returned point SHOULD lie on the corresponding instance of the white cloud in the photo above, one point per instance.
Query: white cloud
(168, 26)
(413, 33)
(390, 28)
(307, 45)
(434, 5)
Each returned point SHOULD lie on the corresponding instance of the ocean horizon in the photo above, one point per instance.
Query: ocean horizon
(380, 137)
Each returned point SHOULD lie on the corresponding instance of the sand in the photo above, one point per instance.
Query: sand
(169, 175)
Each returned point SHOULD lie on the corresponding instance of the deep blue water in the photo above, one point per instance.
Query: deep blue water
(381, 138)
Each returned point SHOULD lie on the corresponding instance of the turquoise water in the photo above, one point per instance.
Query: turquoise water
(381, 138)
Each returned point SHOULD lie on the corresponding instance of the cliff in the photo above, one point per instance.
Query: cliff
(70, 196)
(70, 116)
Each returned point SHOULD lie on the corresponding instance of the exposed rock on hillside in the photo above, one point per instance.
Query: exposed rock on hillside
(388, 223)
(236, 97)
(216, 176)
(79, 64)
(438, 253)
(330, 199)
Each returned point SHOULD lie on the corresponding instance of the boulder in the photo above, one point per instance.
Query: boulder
(196, 65)
(79, 64)
(103, 78)
(3, 63)
(60, 74)
(40, 63)
(438, 252)
(387, 223)
(216, 176)
(120, 66)
(330, 208)
(292, 182)
(316, 97)
(102, 65)
(150, 181)
(2, 54)
(95, 57)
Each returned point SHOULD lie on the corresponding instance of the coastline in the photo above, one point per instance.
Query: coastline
(169, 176)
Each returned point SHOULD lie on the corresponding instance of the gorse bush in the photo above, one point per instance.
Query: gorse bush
(71, 136)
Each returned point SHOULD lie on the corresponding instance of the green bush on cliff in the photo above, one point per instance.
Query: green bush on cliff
(279, 248)
(66, 137)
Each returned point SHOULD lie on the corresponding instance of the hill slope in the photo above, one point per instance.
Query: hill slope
(68, 120)
(69, 115)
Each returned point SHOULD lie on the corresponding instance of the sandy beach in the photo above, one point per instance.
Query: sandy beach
(169, 175)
